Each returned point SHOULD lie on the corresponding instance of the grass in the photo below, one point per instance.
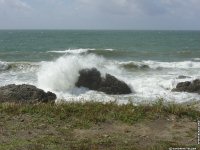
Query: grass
(93, 125)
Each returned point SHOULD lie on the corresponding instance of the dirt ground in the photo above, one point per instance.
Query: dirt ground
(27, 132)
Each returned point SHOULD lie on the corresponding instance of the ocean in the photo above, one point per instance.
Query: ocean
(150, 62)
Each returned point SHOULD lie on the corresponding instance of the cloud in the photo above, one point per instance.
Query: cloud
(91, 14)
(14, 4)
(142, 7)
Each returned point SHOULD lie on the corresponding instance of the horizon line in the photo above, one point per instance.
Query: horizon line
(105, 29)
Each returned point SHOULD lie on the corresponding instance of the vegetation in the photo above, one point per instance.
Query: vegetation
(95, 125)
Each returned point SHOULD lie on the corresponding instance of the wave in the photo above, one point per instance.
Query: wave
(184, 52)
(196, 59)
(60, 76)
(179, 65)
(18, 66)
(3, 66)
(78, 51)
(160, 65)
(133, 65)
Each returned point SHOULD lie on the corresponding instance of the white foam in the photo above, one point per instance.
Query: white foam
(77, 51)
(157, 64)
(62, 74)
(182, 65)
(73, 51)
(3, 65)
(109, 49)
(152, 87)
(196, 59)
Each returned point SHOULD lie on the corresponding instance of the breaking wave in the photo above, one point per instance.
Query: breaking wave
(78, 51)
(60, 76)
(160, 65)
(18, 66)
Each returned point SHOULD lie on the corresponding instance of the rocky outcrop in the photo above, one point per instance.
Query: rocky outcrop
(191, 87)
(91, 78)
(25, 94)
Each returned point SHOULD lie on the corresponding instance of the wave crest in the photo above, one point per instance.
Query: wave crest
(18, 66)
(160, 65)
(134, 65)
(78, 51)
(62, 74)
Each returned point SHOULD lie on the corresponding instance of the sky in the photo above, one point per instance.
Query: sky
(100, 14)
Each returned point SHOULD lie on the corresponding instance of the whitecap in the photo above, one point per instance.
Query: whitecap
(72, 51)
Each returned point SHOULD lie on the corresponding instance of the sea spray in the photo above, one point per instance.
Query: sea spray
(3, 66)
(62, 74)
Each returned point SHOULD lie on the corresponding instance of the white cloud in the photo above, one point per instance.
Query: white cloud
(14, 4)
(145, 7)
(89, 14)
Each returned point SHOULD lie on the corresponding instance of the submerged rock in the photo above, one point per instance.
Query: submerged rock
(91, 78)
(25, 94)
(191, 87)
(183, 77)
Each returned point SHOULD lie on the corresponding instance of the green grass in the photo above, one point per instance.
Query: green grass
(95, 112)
(53, 126)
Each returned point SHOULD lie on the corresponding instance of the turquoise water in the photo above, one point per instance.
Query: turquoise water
(32, 45)
(150, 62)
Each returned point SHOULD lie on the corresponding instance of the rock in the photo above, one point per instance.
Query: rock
(191, 87)
(111, 85)
(25, 94)
(183, 77)
(91, 78)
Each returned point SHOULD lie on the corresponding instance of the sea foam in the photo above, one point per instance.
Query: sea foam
(156, 64)
(3, 66)
(78, 51)
(62, 74)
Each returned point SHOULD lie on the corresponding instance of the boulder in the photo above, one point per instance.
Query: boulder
(91, 78)
(25, 94)
(191, 87)
(111, 85)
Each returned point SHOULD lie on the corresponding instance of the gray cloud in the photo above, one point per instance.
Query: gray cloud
(147, 7)
(92, 14)
(14, 4)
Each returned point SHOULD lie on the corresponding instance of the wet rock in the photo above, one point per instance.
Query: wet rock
(25, 94)
(111, 85)
(191, 87)
(91, 78)
(183, 77)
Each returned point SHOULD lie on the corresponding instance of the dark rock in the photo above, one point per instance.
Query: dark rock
(25, 94)
(183, 77)
(111, 85)
(191, 87)
(91, 78)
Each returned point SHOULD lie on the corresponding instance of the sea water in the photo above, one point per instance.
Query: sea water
(150, 62)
